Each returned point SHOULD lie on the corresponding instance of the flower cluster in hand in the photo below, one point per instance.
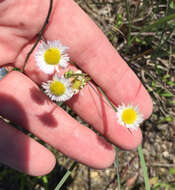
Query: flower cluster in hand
(51, 57)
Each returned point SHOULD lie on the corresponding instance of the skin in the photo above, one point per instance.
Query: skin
(23, 103)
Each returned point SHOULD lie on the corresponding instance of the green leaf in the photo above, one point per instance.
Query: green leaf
(166, 119)
(154, 180)
(171, 83)
(172, 171)
(172, 102)
(45, 180)
(167, 94)
(156, 25)
(172, 4)
(159, 23)
(144, 168)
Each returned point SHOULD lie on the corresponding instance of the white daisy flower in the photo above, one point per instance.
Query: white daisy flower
(129, 116)
(51, 55)
(59, 89)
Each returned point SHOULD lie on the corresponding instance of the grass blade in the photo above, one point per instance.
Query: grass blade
(160, 22)
(144, 168)
(117, 166)
(64, 178)
(157, 24)
(129, 22)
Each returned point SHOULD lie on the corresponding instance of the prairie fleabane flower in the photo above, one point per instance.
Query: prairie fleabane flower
(78, 79)
(59, 89)
(76, 85)
(49, 56)
(129, 116)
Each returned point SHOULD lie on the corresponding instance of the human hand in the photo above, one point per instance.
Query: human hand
(23, 103)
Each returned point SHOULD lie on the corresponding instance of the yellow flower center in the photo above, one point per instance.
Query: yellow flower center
(76, 84)
(57, 88)
(52, 56)
(129, 116)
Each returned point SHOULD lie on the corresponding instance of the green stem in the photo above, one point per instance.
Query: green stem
(144, 168)
(64, 178)
(96, 91)
(117, 166)
(114, 108)
(129, 23)
(39, 35)
(142, 161)
(79, 74)
(116, 149)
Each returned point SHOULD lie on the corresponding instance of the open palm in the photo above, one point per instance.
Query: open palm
(23, 103)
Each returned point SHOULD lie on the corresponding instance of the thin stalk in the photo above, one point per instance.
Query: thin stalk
(129, 23)
(66, 175)
(144, 168)
(142, 161)
(117, 166)
(116, 149)
(39, 35)
(99, 94)
(164, 25)
(114, 108)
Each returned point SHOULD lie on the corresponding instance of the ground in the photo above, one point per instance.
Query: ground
(151, 56)
(146, 42)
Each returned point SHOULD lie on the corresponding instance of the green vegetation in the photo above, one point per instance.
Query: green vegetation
(143, 32)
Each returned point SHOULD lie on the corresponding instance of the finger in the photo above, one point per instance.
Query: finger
(23, 153)
(91, 51)
(98, 58)
(23, 103)
(93, 107)
(95, 55)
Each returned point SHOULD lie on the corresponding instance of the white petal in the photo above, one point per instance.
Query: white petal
(39, 56)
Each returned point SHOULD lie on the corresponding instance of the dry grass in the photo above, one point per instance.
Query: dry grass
(152, 56)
